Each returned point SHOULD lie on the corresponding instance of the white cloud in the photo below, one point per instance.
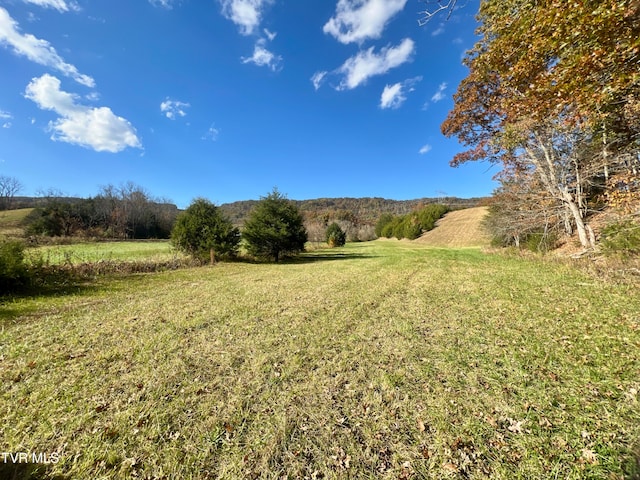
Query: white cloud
(247, 14)
(263, 57)
(357, 20)
(393, 96)
(173, 108)
(439, 95)
(438, 31)
(359, 68)
(36, 50)
(168, 4)
(425, 149)
(91, 127)
(270, 35)
(60, 5)
(6, 116)
(212, 134)
(318, 79)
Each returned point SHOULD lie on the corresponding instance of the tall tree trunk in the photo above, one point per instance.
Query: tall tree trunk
(576, 213)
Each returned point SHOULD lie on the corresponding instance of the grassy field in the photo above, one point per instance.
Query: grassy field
(11, 221)
(380, 360)
(76, 253)
(460, 228)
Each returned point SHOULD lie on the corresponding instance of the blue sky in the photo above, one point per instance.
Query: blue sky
(228, 98)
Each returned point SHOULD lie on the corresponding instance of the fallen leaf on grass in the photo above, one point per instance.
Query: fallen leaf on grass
(589, 456)
(450, 467)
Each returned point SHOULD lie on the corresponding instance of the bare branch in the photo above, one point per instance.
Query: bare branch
(433, 7)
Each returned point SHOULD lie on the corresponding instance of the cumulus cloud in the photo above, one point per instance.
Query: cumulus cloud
(174, 108)
(263, 57)
(358, 20)
(60, 5)
(393, 96)
(439, 95)
(91, 127)
(37, 50)
(247, 14)
(365, 64)
(425, 149)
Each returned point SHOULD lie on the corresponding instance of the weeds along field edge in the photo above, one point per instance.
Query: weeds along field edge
(383, 359)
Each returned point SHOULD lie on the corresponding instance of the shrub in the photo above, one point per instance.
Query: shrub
(335, 236)
(13, 271)
(383, 221)
(540, 241)
(621, 238)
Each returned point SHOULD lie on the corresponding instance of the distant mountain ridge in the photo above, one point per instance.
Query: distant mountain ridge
(362, 210)
(358, 211)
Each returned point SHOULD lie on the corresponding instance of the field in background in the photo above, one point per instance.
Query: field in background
(460, 228)
(379, 360)
(11, 220)
(149, 251)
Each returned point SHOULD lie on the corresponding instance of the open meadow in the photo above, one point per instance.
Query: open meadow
(90, 252)
(386, 359)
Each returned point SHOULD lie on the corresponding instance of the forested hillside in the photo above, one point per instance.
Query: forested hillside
(365, 211)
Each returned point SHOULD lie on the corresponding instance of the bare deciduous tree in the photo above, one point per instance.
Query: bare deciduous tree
(9, 187)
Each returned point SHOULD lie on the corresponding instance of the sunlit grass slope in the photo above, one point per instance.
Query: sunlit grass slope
(379, 360)
(11, 221)
(108, 251)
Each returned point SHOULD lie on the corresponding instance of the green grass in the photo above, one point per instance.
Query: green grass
(107, 251)
(379, 360)
(11, 221)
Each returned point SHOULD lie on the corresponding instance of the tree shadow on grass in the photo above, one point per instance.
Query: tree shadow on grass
(8, 312)
(325, 256)
(27, 471)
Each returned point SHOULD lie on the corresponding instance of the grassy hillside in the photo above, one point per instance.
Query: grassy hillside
(11, 221)
(366, 210)
(461, 228)
(379, 360)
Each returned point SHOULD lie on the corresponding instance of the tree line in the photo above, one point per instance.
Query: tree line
(125, 212)
(411, 225)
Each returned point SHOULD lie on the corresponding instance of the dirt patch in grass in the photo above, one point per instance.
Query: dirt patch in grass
(461, 228)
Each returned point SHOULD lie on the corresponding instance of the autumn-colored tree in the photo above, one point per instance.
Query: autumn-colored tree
(552, 88)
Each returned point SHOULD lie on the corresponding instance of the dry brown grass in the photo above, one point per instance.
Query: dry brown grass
(461, 228)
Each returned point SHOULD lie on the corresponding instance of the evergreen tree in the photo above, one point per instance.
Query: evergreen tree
(274, 228)
(202, 232)
(336, 237)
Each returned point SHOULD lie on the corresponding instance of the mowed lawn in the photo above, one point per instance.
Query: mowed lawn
(384, 360)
